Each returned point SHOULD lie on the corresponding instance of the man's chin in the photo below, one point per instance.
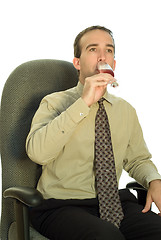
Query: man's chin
(93, 73)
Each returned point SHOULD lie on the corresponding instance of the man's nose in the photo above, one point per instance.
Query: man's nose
(101, 56)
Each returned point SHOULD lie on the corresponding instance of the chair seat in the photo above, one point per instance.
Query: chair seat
(34, 235)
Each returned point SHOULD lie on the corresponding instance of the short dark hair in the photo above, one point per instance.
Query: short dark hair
(77, 47)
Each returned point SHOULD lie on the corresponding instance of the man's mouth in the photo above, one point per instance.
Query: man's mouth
(97, 71)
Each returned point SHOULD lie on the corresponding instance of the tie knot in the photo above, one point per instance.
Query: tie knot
(100, 102)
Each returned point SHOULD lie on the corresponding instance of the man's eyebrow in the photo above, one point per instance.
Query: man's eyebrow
(91, 45)
(109, 45)
(96, 44)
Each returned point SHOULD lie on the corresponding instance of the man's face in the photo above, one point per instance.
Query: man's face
(96, 45)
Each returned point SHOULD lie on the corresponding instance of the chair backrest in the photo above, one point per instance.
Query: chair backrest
(22, 93)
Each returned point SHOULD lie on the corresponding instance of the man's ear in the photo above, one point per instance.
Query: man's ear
(76, 63)
(114, 65)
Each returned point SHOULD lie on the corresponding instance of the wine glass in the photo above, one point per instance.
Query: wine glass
(106, 68)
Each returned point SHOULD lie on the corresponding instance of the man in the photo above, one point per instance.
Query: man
(62, 140)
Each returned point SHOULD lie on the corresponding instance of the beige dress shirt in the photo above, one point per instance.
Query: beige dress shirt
(62, 138)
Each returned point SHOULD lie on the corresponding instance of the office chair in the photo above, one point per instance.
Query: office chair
(22, 93)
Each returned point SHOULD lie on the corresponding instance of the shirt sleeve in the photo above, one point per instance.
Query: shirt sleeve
(51, 129)
(137, 161)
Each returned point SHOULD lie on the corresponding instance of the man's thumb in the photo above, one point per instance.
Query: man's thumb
(147, 206)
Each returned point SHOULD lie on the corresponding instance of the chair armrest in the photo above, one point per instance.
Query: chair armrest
(135, 186)
(141, 192)
(26, 195)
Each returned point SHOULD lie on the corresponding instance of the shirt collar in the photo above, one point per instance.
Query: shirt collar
(108, 97)
(79, 88)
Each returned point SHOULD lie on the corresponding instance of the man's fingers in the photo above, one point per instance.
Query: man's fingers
(147, 205)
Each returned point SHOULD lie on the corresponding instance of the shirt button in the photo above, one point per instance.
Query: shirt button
(81, 114)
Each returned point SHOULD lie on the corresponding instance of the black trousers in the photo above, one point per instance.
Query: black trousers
(79, 220)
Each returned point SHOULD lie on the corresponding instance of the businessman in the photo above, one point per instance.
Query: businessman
(83, 138)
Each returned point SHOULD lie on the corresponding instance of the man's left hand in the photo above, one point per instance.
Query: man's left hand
(153, 195)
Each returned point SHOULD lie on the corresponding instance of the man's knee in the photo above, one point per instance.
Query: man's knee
(104, 231)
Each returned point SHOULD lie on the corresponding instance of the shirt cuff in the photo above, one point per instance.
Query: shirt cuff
(152, 177)
(78, 110)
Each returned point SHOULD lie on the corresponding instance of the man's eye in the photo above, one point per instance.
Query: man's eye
(92, 49)
(109, 50)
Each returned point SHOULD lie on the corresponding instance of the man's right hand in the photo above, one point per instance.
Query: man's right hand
(95, 87)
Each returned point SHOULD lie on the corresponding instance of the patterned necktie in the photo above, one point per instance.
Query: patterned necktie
(109, 201)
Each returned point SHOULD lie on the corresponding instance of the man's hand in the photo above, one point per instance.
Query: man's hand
(95, 87)
(153, 195)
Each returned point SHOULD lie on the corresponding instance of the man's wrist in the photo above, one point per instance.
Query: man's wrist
(155, 182)
(86, 102)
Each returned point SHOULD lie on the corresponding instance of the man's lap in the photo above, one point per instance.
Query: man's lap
(79, 220)
(74, 220)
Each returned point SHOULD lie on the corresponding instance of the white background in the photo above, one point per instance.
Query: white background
(37, 29)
